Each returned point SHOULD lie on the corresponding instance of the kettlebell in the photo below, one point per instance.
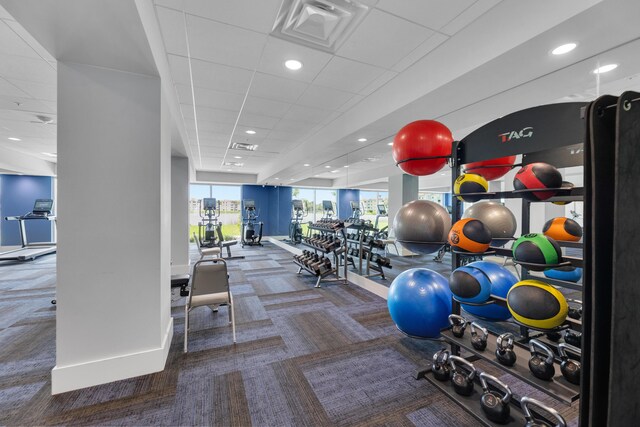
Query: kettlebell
(504, 350)
(458, 325)
(440, 368)
(462, 383)
(525, 402)
(541, 367)
(479, 342)
(573, 338)
(495, 405)
(575, 312)
(570, 368)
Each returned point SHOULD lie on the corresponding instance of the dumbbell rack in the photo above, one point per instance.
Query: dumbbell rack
(558, 132)
(337, 252)
(365, 250)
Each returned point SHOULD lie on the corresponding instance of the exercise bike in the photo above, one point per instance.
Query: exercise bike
(295, 228)
(209, 213)
(251, 227)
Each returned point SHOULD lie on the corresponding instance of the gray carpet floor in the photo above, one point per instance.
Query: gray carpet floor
(305, 356)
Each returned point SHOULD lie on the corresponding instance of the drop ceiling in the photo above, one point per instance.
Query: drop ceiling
(464, 63)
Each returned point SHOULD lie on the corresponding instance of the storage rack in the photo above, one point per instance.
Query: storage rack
(337, 252)
(557, 138)
(365, 249)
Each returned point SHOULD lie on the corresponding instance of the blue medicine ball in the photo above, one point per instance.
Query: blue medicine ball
(470, 284)
(419, 302)
(570, 274)
(501, 281)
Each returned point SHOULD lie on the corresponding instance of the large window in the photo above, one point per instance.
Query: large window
(312, 199)
(369, 201)
(228, 197)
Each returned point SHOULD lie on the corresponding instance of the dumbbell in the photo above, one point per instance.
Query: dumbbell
(573, 338)
(570, 368)
(526, 402)
(458, 325)
(541, 361)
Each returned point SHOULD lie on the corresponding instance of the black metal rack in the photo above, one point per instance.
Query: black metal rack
(337, 252)
(365, 249)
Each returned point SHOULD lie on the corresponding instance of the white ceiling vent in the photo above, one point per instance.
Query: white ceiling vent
(236, 164)
(243, 146)
(323, 24)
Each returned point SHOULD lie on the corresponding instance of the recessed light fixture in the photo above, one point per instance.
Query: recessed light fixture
(50, 154)
(14, 139)
(316, 175)
(390, 143)
(306, 164)
(345, 166)
(362, 139)
(605, 68)
(250, 132)
(335, 171)
(327, 167)
(276, 179)
(229, 170)
(565, 48)
(237, 157)
(293, 64)
(291, 179)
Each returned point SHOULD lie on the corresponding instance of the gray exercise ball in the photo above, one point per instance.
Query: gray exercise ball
(497, 217)
(422, 226)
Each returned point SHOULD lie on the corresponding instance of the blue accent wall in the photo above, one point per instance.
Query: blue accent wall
(17, 195)
(274, 206)
(345, 197)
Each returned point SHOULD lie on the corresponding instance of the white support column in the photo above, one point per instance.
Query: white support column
(402, 189)
(179, 215)
(114, 170)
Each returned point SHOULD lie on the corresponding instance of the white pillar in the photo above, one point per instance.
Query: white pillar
(179, 215)
(402, 189)
(113, 292)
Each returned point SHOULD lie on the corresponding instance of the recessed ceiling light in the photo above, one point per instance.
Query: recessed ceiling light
(290, 179)
(306, 164)
(362, 139)
(316, 175)
(276, 179)
(605, 68)
(229, 170)
(335, 171)
(327, 167)
(390, 143)
(237, 157)
(345, 166)
(565, 48)
(50, 154)
(250, 132)
(293, 64)
(14, 139)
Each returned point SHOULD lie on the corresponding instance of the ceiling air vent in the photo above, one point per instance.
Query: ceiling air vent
(236, 164)
(370, 159)
(243, 146)
(322, 24)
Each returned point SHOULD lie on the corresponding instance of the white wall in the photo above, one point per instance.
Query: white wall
(402, 189)
(113, 313)
(179, 215)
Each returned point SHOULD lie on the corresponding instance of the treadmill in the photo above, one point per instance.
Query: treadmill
(30, 251)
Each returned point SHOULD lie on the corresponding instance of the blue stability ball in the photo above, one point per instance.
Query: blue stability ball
(570, 274)
(501, 281)
(419, 302)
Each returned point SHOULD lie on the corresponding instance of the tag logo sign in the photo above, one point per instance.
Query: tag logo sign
(514, 134)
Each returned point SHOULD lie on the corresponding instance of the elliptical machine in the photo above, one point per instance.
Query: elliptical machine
(384, 232)
(355, 211)
(327, 207)
(207, 227)
(251, 228)
(295, 228)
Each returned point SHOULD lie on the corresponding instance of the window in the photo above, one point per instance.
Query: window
(228, 199)
(312, 199)
(369, 201)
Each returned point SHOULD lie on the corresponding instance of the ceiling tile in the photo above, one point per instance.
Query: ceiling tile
(277, 51)
(267, 107)
(37, 90)
(468, 16)
(36, 70)
(323, 97)
(250, 14)
(385, 48)
(350, 76)
(210, 98)
(172, 28)
(9, 90)
(425, 47)
(378, 83)
(306, 114)
(277, 88)
(216, 115)
(224, 44)
(433, 14)
(209, 75)
(12, 44)
(257, 121)
(355, 99)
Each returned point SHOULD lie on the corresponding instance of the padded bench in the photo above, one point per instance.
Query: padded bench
(182, 281)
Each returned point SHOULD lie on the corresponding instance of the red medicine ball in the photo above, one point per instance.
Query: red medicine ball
(419, 140)
(500, 167)
(536, 176)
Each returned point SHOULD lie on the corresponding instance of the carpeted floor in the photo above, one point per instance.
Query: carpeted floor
(304, 356)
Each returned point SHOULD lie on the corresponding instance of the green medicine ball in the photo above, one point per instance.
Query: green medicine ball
(537, 249)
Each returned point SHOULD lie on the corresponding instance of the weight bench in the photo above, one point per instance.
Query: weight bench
(226, 244)
(182, 281)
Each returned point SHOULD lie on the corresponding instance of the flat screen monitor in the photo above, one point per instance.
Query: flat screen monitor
(327, 205)
(249, 204)
(382, 210)
(297, 204)
(355, 205)
(43, 206)
(209, 204)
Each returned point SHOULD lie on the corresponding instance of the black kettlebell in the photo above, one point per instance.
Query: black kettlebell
(570, 368)
(525, 402)
(573, 338)
(479, 342)
(495, 405)
(541, 367)
(575, 312)
(504, 350)
(440, 368)
(462, 382)
(458, 325)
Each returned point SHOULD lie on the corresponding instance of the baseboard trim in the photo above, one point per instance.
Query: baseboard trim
(95, 372)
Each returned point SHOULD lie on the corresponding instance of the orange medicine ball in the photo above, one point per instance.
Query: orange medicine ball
(563, 229)
(470, 235)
